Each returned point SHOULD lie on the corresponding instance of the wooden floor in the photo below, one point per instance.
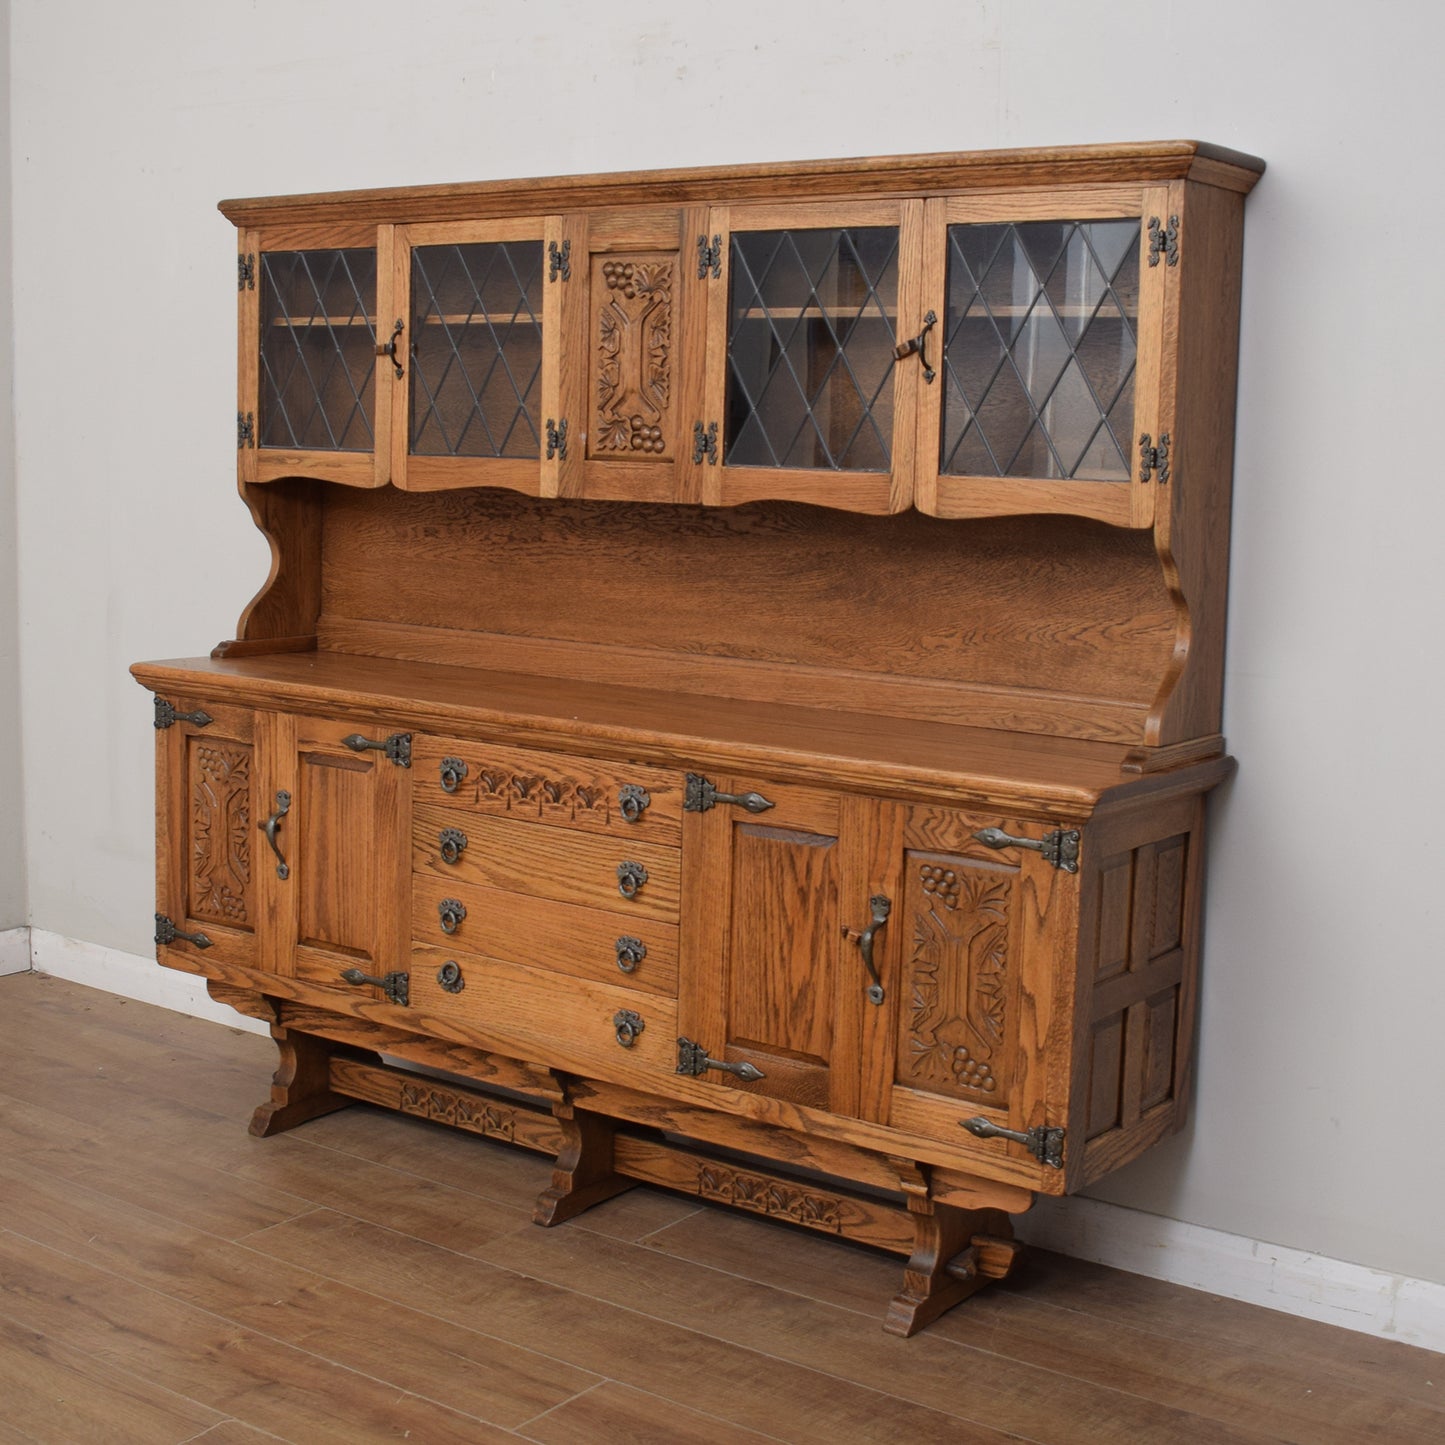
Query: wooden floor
(164, 1277)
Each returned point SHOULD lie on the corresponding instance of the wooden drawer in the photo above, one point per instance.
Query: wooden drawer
(551, 863)
(567, 792)
(548, 1018)
(541, 933)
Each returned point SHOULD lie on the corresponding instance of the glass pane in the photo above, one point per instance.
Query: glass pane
(1040, 349)
(318, 349)
(810, 348)
(476, 349)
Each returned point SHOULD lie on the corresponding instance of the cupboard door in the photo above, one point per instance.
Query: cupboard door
(342, 840)
(984, 987)
(470, 400)
(806, 399)
(768, 978)
(1052, 327)
(312, 398)
(206, 801)
(631, 376)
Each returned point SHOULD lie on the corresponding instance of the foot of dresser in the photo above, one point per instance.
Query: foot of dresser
(301, 1088)
(585, 1173)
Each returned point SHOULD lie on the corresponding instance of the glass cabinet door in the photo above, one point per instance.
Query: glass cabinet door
(806, 396)
(467, 386)
(308, 403)
(1050, 325)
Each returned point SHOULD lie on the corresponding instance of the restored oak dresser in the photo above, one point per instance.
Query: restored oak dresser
(739, 679)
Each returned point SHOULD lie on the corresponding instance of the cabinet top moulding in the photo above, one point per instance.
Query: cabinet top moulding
(935, 174)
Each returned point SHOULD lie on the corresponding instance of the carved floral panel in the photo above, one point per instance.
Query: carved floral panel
(633, 357)
(219, 865)
(956, 1023)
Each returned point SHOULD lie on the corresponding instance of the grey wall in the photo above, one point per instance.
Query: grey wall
(1324, 985)
(12, 829)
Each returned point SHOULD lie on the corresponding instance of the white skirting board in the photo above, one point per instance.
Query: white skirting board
(14, 951)
(1333, 1291)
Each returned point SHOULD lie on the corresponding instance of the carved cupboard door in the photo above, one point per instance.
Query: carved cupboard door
(631, 358)
(984, 995)
(206, 832)
(337, 876)
(472, 384)
(773, 993)
(806, 396)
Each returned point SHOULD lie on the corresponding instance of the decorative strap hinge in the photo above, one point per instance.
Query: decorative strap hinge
(396, 748)
(167, 933)
(700, 795)
(709, 258)
(167, 716)
(559, 260)
(1060, 847)
(692, 1061)
(1164, 241)
(245, 430)
(1154, 459)
(246, 272)
(1045, 1144)
(556, 439)
(704, 443)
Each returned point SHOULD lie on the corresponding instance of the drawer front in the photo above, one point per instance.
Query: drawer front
(607, 947)
(548, 1018)
(622, 875)
(616, 799)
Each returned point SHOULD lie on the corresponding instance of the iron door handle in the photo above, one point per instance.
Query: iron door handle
(908, 348)
(269, 827)
(881, 907)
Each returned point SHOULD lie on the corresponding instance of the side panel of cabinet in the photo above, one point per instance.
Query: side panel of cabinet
(984, 991)
(206, 800)
(344, 841)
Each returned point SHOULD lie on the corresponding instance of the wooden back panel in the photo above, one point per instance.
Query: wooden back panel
(1039, 624)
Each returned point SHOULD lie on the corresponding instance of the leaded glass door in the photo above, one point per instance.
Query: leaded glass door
(471, 399)
(309, 406)
(1051, 333)
(806, 399)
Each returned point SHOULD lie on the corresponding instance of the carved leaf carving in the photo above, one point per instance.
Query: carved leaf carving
(633, 360)
(220, 871)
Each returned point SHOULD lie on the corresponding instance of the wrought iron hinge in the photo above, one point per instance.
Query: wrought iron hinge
(556, 439)
(167, 716)
(709, 258)
(395, 987)
(559, 260)
(246, 272)
(1045, 1144)
(692, 1061)
(1164, 241)
(704, 443)
(700, 795)
(1154, 459)
(167, 933)
(397, 747)
(245, 430)
(1059, 847)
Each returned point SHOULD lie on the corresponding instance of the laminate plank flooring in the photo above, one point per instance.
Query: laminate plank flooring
(166, 1278)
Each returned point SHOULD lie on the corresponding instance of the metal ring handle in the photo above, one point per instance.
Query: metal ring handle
(451, 843)
(269, 827)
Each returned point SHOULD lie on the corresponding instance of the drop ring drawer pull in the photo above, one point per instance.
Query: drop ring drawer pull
(453, 911)
(449, 976)
(628, 1025)
(632, 802)
(630, 952)
(396, 986)
(453, 770)
(630, 878)
(452, 843)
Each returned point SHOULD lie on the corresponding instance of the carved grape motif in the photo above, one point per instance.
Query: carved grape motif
(940, 883)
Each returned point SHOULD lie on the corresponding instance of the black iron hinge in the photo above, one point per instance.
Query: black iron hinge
(559, 260)
(167, 933)
(1164, 241)
(245, 430)
(704, 443)
(1044, 1143)
(246, 272)
(557, 439)
(167, 716)
(1059, 846)
(1154, 459)
(709, 258)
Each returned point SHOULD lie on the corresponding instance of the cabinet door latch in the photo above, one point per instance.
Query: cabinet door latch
(1046, 1145)
(1164, 241)
(1154, 459)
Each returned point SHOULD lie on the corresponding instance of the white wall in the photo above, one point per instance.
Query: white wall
(12, 830)
(1321, 1068)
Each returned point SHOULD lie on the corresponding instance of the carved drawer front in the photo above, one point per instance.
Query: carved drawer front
(612, 947)
(513, 783)
(624, 875)
(544, 1017)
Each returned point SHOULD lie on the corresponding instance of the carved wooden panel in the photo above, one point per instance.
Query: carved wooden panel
(218, 867)
(461, 1111)
(958, 1029)
(633, 357)
(762, 1194)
